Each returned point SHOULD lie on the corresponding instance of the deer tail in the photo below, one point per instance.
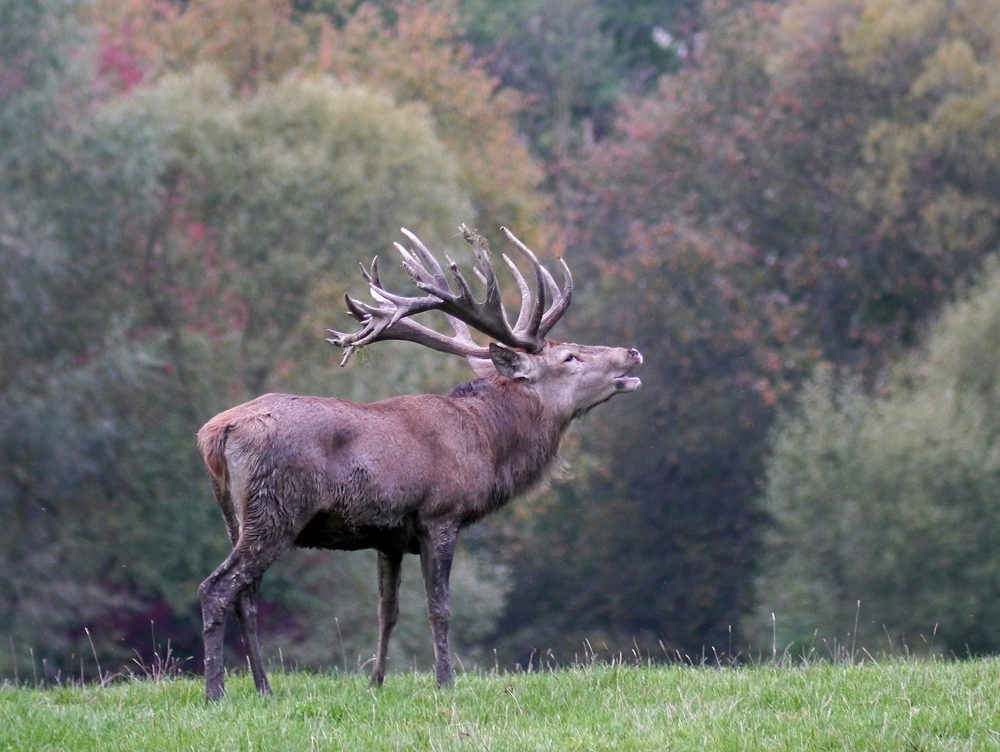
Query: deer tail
(212, 443)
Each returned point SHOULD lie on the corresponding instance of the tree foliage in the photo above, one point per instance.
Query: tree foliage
(413, 54)
(573, 59)
(892, 501)
(803, 194)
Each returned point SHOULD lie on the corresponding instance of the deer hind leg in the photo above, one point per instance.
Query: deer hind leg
(437, 550)
(246, 615)
(246, 603)
(389, 565)
(224, 588)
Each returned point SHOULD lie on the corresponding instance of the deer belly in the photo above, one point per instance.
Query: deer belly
(331, 531)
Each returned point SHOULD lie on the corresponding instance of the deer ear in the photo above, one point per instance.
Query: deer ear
(509, 363)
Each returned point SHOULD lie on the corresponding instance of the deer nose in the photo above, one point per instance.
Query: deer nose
(635, 354)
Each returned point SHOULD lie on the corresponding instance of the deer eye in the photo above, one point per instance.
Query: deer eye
(570, 358)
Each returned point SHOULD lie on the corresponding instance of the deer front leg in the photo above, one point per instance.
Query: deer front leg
(389, 565)
(437, 550)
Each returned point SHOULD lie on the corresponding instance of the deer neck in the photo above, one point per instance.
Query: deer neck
(522, 436)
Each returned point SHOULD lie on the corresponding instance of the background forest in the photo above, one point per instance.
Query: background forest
(790, 207)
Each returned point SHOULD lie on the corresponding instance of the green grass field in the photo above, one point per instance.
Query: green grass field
(895, 705)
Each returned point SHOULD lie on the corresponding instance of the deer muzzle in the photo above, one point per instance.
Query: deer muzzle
(624, 382)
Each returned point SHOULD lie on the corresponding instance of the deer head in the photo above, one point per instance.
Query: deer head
(568, 378)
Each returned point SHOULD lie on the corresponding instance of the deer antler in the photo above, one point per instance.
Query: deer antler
(391, 319)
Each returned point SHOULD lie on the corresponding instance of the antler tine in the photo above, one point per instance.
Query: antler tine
(561, 300)
(538, 305)
(484, 269)
(490, 316)
(371, 276)
(487, 275)
(413, 266)
(354, 308)
(428, 258)
(550, 284)
(348, 350)
(461, 329)
(465, 292)
(522, 286)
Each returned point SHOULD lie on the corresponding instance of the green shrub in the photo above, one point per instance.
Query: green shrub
(892, 500)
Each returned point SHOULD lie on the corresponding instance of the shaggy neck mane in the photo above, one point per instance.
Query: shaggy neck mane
(523, 437)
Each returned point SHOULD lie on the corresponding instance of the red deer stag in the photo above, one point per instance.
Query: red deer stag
(406, 474)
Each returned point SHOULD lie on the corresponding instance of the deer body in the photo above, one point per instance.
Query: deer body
(400, 476)
(368, 474)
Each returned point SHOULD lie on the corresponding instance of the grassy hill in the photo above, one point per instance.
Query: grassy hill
(894, 705)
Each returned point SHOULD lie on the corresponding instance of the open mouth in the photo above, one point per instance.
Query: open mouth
(626, 383)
